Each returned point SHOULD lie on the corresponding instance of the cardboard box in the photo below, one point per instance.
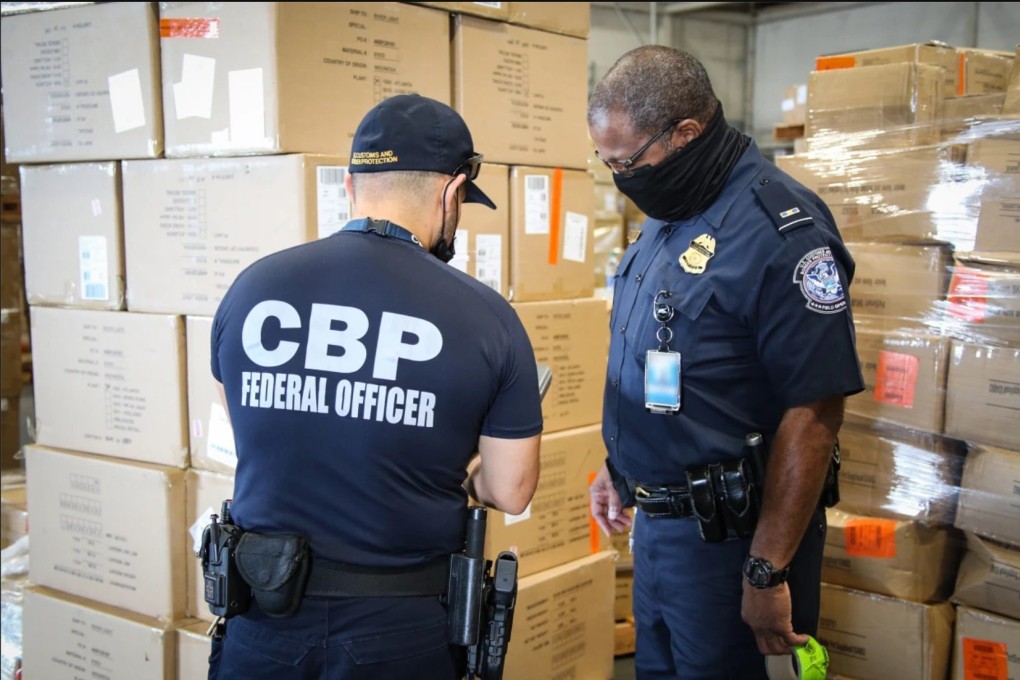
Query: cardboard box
(522, 92)
(899, 558)
(500, 11)
(13, 514)
(568, 18)
(191, 226)
(291, 77)
(82, 84)
(211, 437)
(985, 645)
(74, 244)
(623, 605)
(205, 494)
(904, 378)
(794, 104)
(983, 301)
(483, 236)
(959, 113)
(990, 494)
(989, 577)
(12, 291)
(556, 526)
(193, 649)
(572, 338)
(111, 383)
(72, 637)
(563, 622)
(983, 394)
(932, 53)
(982, 71)
(1012, 103)
(898, 473)
(873, 636)
(995, 163)
(898, 285)
(875, 107)
(552, 248)
(10, 436)
(108, 530)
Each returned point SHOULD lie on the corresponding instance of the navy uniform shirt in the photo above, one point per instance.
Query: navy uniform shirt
(359, 372)
(758, 283)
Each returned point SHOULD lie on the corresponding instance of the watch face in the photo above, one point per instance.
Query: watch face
(759, 574)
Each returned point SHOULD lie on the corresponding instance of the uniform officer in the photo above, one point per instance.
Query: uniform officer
(736, 292)
(362, 374)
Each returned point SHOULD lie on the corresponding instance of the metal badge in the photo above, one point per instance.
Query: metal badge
(695, 259)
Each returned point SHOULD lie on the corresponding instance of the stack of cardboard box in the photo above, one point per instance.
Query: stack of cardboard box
(911, 150)
(162, 150)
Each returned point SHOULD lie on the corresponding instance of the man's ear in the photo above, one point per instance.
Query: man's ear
(689, 130)
(349, 185)
(459, 180)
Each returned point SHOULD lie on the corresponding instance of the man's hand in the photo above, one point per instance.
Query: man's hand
(605, 504)
(770, 615)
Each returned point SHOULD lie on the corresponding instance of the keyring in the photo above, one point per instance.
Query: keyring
(659, 334)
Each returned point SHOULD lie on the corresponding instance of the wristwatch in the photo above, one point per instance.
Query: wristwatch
(761, 574)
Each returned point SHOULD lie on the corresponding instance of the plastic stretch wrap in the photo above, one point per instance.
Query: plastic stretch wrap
(13, 577)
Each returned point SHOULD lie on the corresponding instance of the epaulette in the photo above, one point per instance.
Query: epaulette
(781, 205)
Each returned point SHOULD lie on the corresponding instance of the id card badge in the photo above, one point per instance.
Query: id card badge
(662, 381)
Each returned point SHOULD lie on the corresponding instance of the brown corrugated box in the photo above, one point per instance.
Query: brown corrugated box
(483, 235)
(291, 77)
(205, 494)
(555, 528)
(794, 104)
(73, 235)
(1012, 104)
(210, 435)
(193, 648)
(563, 622)
(932, 53)
(572, 338)
(900, 558)
(569, 18)
(898, 285)
(64, 636)
(990, 494)
(499, 11)
(523, 93)
(985, 646)
(989, 577)
(552, 248)
(873, 636)
(623, 605)
(10, 433)
(108, 530)
(13, 514)
(983, 301)
(111, 383)
(996, 163)
(904, 378)
(192, 225)
(959, 113)
(12, 310)
(983, 394)
(982, 71)
(82, 84)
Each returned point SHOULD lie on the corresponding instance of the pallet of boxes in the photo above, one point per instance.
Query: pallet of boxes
(916, 154)
(190, 139)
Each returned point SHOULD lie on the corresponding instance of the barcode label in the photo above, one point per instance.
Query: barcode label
(489, 260)
(536, 204)
(93, 268)
(575, 237)
(334, 207)
(332, 175)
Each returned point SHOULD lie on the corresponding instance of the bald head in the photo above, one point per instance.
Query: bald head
(652, 85)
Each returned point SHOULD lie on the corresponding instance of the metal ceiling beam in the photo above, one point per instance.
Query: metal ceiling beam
(687, 7)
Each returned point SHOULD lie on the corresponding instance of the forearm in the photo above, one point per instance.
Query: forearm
(798, 461)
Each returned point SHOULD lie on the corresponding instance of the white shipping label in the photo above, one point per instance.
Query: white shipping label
(193, 96)
(489, 260)
(536, 204)
(514, 519)
(126, 101)
(334, 206)
(609, 202)
(462, 254)
(220, 446)
(575, 237)
(93, 264)
(247, 106)
(199, 526)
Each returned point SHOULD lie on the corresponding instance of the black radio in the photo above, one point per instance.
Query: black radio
(226, 593)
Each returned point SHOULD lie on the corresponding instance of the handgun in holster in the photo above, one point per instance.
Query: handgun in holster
(226, 593)
(482, 596)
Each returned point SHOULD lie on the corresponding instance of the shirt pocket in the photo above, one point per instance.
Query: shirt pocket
(688, 295)
(622, 271)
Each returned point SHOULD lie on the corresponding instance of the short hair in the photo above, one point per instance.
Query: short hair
(411, 186)
(653, 85)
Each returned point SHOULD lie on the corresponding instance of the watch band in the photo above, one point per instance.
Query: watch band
(761, 574)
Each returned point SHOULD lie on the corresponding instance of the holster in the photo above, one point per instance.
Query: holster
(625, 488)
(724, 499)
(276, 568)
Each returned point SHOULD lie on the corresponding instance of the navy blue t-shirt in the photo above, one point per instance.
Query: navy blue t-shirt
(360, 372)
(759, 287)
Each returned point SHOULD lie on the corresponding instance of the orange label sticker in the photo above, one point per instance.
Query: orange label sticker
(984, 660)
(968, 295)
(961, 76)
(896, 378)
(866, 537)
(593, 528)
(833, 63)
(189, 28)
(554, 215)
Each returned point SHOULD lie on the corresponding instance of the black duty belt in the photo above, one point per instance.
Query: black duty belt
(664, 501)
(338, 579)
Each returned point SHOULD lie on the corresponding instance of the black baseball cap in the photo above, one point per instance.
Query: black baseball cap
(412, 132)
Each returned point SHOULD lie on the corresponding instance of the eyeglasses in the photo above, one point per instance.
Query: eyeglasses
(624, 167)
(471, 167)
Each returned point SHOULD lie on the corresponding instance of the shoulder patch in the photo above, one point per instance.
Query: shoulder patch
(783, 208)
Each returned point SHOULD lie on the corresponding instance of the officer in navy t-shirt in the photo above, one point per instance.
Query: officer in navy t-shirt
(737, 291)
(362, 375)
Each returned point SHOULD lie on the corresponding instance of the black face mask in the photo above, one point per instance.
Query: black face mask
(690, 179)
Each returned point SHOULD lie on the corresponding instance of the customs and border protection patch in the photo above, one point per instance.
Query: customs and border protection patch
(818, 278)
(695, 259)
